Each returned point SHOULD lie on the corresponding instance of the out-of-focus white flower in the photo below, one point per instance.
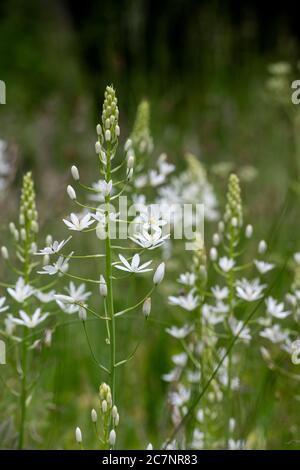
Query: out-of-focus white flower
(149, 446)
(151, 218)
(22, 291)
(156, 178)
(3, 307)
(180, 396)
(198, 439)
(220, 293)
(28, 321)
(249, 290)
(295, 346)
(180, 360)
(159, 274)
(276, 309)
(263, 267)
(79, 223)
(262, 247)
(171, 376)
(179, 333)
(54, 248)
(275, 334)
(297, 258)
(134, 266)
(187, 279)
(164, 166)
(236, 445)
(105, 187)
(44, 297)
(61, 266)
(188, 302)
(226, 264)
(9, 325)
(238, 329)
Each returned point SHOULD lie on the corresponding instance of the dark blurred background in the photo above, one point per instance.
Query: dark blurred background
(203, 65)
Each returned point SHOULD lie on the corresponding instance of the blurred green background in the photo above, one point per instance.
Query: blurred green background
(203, 66)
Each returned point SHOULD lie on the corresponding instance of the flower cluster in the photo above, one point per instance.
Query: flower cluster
(217, 320)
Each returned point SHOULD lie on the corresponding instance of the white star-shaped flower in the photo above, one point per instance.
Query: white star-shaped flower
(61, 266)
(276, 309)
(134, 266)
(226, 264)
(54, 248)
(220, 293)
(187, 279)
(188, 302)
(22, 291)
(150, 240)
(249, 290)
(179, 333)
(79, 223)
(263, 267)
(28, 321)
(3, 307)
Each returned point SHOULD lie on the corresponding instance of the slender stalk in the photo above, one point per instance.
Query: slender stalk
(24, 355)
(109, 281)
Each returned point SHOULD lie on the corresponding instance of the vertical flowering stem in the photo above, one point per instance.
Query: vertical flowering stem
(109, 281)
(29, 226)
(234, 219)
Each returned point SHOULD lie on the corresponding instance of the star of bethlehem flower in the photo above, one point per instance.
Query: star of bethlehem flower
(275, 334)
(237, 328)
(61, 266)
(134, 266)
(220, 293)
(105, 187)
(179, 333)
(226, 264)
(150, 241)
(79, 223)
(263, 267)
(30, 321)
(276, 309)
(54, 248)
(22, 291)
(3, 307)
(187, 279)
(151, 218)
(249, 290)
(44, 297)
(188, 302)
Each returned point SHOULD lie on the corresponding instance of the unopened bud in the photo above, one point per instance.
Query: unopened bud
(75, 173)
(94, 416)
(71, 192)
(147, 307)
(103, 287)
(4, 252)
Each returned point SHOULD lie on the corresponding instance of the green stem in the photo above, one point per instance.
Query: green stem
(109, 281)
(23, 396)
